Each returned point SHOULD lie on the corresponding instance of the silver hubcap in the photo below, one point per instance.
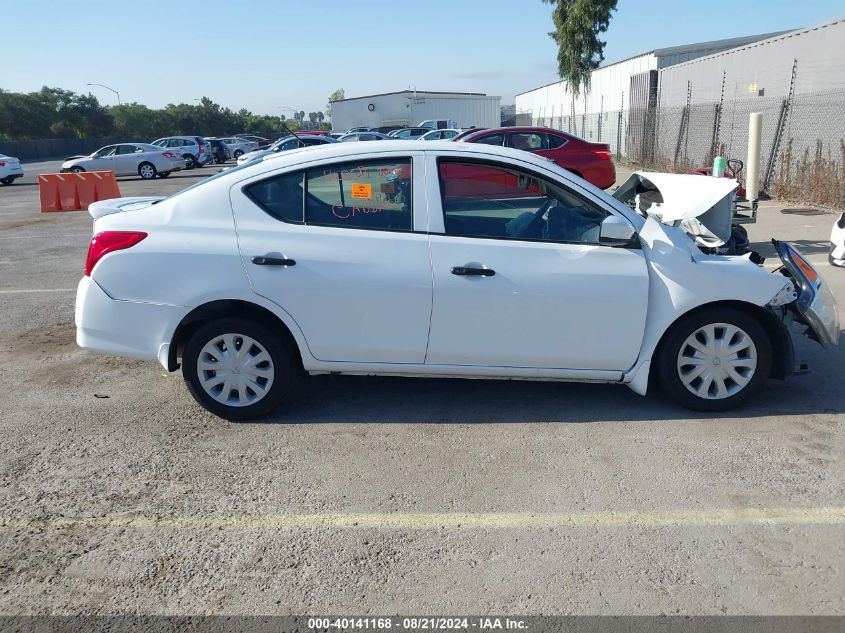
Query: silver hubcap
(717, 361)
(146, 171)
(235, 370)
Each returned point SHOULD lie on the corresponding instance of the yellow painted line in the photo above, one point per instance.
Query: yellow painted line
(716, 517)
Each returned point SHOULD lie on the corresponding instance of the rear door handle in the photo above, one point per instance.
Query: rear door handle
(466, 271)
(265, 260)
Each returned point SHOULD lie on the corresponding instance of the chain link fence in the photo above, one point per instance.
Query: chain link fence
(803, 139)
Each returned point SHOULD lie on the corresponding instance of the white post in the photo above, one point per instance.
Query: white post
(752, 177)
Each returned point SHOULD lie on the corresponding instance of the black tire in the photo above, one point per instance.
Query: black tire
(147, 171)
(238, 153)
(7, 181)
(76, 169)
(668, 371)
(163, 174)
(284, 362)
(190, 161)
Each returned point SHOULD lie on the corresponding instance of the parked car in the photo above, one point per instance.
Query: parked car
(409, 132)
(357, 129)
(10, 169)
(837, 242)
(219, 150)
(438, 124)
(364, 136)
(336, 135)
(128, 159)
(260, 141)
(329, 272)
(591, 161)
(194, 149)
(439, 135)
(287, 143)
(238, 146)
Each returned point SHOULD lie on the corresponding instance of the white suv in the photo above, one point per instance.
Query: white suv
(194, 149)
(440, 259)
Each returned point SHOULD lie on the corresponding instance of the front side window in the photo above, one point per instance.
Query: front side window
(365, 195)
(495, 201)
(490, 139)
(107, 151)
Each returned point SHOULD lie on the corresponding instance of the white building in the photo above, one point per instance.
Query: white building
(611, 85)
(410, 107)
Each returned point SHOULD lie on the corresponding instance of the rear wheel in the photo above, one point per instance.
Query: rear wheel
(714, 359)
(147, 171)
(190, 161)
(8, 180)
(238, 153)
(239, 369)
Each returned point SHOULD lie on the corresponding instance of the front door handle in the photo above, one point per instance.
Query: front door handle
(469, 271)
(266, 260)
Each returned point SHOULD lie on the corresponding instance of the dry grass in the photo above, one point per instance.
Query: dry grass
(817, 179)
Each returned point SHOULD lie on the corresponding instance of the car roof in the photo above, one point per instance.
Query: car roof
(341, 151)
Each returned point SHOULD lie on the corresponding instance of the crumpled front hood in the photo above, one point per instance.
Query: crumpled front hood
(119, 205)
(702, 204)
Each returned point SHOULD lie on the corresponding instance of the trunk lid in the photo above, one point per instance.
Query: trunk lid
(119, 205)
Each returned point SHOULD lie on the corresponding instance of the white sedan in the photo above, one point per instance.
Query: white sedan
(128, 159)
(10, 169)
(440, 259)
(239, 146)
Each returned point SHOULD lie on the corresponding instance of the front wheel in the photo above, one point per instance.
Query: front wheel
(147, 171)
(714, 359)
(238, 154)
(76, 170)
(239, 369)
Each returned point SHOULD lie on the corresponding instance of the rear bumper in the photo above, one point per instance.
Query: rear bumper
(123, 328)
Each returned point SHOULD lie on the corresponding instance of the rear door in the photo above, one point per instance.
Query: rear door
(353, 256)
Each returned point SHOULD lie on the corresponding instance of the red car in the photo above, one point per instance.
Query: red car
(591, 161)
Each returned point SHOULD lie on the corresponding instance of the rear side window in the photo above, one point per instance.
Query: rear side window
(556, 141)
(361, 195)
(281, 197)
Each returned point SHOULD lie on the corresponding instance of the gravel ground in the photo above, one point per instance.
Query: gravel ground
(383, 495)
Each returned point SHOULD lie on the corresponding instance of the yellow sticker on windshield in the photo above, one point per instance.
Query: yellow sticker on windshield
(362, 191)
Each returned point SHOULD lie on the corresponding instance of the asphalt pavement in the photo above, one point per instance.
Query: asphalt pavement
(386, 495)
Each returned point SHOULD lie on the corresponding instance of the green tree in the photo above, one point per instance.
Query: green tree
(337, 95)
(578, 24)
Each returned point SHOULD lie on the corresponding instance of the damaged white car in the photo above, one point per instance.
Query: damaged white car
(444, 259)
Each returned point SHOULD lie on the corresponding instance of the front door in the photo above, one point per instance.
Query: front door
(520, 279)
(341, 256)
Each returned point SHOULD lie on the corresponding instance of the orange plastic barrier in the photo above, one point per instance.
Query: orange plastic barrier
(74, 192)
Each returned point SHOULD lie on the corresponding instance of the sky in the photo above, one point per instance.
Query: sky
(277, 56)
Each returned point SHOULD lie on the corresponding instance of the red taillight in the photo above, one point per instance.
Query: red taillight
(2, 164)
(602, 154)
(199, 143)
(169, 155)
(107, 242)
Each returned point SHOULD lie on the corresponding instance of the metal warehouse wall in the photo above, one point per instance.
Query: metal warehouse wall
(765, 65)
(408, 108)
(608, 86)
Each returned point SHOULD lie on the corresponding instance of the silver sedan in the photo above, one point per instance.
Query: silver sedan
(128, 159)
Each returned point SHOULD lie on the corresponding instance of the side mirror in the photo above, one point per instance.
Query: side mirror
(616, 231)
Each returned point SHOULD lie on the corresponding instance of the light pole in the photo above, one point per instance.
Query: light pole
(107, 88)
